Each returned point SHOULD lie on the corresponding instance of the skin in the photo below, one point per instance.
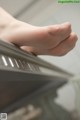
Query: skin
(56, 40)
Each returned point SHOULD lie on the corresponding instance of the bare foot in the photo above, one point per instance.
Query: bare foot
(54, 40)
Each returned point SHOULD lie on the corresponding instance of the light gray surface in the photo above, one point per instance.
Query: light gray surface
(14, 6)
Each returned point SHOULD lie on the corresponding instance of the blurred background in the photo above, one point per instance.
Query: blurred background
(47, 12)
